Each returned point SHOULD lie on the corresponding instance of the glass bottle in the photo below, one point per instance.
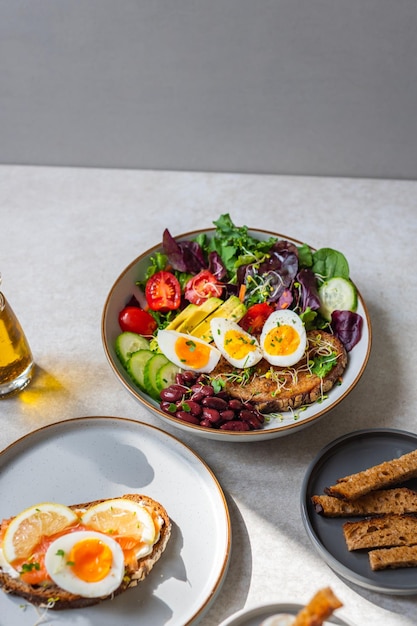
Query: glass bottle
(16, 360)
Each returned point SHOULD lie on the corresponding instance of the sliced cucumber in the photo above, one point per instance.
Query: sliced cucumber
(150, 373)
(127, 343)
(165, 376)
(337, 294)
(136, 366)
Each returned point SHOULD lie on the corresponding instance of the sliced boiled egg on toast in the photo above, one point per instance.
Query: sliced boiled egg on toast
(237, 346)
(86, 563)
(283, 339)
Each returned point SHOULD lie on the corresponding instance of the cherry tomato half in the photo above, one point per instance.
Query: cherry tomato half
(255, 317)
(202, 286)
(137, 320)
(163, 292)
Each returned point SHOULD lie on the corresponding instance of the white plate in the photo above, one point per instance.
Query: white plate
(254, 616)
(85, 459)
(288, 422)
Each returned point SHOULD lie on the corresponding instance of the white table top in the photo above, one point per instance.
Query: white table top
(65, 236)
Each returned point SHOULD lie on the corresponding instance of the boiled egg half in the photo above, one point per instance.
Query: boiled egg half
(188, 352)
(86, 563)
(237, 346)
(283, 339)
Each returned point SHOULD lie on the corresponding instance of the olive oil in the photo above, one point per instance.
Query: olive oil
(16, 361)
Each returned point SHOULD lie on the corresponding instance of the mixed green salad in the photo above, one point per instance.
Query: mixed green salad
(264, 275)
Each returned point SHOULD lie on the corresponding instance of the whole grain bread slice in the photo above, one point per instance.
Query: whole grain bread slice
(381, 501)
(393, 558)
(384, 531)
(272, 388)
(56, 598)
(379, 476)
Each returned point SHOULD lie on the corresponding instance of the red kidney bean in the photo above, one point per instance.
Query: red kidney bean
(194, 407)
(227, 415)
(259, 417)
(235, 404)
(214, 402)
(197, 396)
(206, 424)
(211, 414)
(235, 425)
(206, 389)
(187, 417)
(246, 415)
(172, 393)
(167, 407)
(254, 422)
(179, 378)
(189, 377)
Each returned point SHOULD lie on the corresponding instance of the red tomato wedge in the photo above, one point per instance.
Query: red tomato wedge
(137, 320)
(163, 292)
(202, 286)
(255, 317)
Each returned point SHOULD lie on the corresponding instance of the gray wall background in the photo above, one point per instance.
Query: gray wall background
(311, 87)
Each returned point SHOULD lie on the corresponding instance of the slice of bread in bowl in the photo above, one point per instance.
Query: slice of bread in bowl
(274, 389)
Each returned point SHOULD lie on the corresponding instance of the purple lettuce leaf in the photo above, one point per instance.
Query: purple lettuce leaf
(347, 326)
(309, 293)
(216, 265)
(184, 256)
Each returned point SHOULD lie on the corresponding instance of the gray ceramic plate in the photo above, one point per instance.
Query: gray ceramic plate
(349, 454)
(86, 459)
(254, 616)
(285, 424)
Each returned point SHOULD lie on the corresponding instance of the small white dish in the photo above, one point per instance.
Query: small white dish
(255, 615)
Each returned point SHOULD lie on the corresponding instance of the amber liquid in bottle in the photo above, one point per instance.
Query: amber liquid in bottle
(16, 361)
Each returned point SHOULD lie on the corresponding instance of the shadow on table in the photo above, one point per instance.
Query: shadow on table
(234, 592)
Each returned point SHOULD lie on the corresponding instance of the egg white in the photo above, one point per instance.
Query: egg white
(284, 357)
(62, 574)
(167, 342)
(246, 343)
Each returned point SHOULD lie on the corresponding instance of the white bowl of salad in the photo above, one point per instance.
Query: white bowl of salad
(222, 332)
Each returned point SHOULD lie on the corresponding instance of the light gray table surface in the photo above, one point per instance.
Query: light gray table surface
(65, 236)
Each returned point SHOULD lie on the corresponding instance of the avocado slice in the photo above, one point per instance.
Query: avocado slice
(193, 314)
(181, 317)
(232, 309)
(198, 316)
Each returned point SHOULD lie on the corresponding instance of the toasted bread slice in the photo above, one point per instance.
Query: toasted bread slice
(384, 531)
(376, 477)
(397, 500)
(54, 597)
(274, 389)
(319, 608)
(393, 558)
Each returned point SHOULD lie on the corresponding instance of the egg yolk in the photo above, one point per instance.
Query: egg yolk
(192, 353)
(90, 560)
(238, 345)
(281, 340)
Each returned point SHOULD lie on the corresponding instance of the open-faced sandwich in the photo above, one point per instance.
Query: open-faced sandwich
(66, 557)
